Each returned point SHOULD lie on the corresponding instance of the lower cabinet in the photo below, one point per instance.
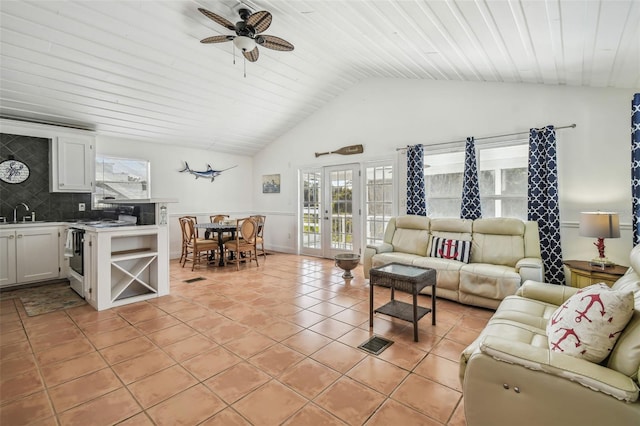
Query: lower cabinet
(127, 266)
(29, 254)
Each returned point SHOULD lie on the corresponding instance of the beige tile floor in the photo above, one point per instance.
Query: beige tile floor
(269, 345)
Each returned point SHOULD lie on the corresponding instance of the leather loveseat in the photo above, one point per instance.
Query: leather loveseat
(504, 252)
(510, 375)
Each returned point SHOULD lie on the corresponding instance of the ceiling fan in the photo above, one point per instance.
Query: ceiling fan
(247, 37)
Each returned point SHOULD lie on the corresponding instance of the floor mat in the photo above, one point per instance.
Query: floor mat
(48, 298)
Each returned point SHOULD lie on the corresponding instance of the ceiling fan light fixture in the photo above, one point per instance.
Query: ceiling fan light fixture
(245, 44)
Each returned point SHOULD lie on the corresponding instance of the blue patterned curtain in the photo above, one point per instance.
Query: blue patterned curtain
(543, 200)
(416, 200)
(635, 166)
(470, 207)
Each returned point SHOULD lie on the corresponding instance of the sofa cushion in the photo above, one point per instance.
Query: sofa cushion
(489, 281)
(412, 241)
(499, 241)
(588, 324)
(526, 311)
(450, 249)
(625, 356)
(381, 259)
(447, 272)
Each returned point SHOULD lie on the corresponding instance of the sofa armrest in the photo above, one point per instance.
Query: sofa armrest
(530, 268)
(381, 248)
(548, 293)
(591, 375)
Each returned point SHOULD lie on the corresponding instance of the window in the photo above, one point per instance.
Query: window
(120, 178)
(378, 201)
(502, 176)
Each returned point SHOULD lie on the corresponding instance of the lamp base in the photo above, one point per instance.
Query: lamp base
(601, 262)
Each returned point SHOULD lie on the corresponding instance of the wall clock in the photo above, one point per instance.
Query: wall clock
(13, 171)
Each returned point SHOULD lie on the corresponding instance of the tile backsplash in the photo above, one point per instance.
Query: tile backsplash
(34, 191)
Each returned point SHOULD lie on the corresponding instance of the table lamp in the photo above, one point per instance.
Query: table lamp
(600, 225)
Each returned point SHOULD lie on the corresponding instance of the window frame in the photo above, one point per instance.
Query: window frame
(96, 197)
(480, 147)
(370, 237)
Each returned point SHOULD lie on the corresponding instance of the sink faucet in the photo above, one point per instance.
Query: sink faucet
(15, 217)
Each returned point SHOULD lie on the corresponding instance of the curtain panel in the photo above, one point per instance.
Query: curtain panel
(543, 206)
(635, 166)
(416, 195)
(470, 207)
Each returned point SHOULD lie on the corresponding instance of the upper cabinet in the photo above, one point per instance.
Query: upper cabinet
(72, 164)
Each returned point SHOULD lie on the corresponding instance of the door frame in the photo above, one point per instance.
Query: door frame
(325, 196)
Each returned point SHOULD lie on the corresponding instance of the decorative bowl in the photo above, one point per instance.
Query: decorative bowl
(347, 262)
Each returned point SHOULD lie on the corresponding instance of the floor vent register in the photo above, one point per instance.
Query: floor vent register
(376, 345)
(193, 280)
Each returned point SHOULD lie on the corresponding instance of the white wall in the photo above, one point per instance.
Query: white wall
(384, 114)
(229, 193)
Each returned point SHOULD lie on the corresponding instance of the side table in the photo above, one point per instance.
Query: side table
(583, 274)
(410, 279)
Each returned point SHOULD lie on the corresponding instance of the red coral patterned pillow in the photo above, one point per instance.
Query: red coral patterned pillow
(588, 324)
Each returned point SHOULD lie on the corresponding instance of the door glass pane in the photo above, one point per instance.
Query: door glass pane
(341, 210)
(312, 209)
(379, 201)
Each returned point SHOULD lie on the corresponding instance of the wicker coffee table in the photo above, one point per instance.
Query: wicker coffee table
(410, 279)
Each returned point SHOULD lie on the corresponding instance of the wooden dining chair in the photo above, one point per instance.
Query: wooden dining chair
(185, 237)
(196, 248)
(260, 220)
(244, 242)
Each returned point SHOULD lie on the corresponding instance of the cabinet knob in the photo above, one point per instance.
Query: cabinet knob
(11, 237)
(19, 235)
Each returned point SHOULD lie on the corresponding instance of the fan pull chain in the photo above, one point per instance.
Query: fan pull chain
(234, 53)
(245, 67)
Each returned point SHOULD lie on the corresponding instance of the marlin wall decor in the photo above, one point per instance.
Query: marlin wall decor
(210, 173)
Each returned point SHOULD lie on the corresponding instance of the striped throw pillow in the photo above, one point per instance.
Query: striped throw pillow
(451, 249)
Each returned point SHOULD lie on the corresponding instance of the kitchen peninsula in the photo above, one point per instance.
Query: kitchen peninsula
(127, 264)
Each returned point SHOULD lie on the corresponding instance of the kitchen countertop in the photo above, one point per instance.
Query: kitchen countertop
(79, 225)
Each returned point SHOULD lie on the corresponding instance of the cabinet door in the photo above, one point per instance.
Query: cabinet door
(7, 258)
(73, 164)
(37, 253)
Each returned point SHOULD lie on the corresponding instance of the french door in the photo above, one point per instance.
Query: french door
(330, 211)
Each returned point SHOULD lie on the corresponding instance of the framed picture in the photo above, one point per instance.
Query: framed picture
(270, 184)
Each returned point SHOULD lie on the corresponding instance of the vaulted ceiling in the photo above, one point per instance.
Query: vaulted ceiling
(137, 69)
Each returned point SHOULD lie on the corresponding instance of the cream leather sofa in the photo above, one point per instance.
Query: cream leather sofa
(510, 377)
(504, 253)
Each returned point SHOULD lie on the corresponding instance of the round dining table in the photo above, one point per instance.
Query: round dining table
(220, 229)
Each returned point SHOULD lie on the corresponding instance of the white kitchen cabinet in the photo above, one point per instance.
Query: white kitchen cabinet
(72, 164)
(29, 254)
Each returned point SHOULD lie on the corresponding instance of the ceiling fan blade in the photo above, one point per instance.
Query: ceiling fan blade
(252, 55)
(217, 18)
(217, 39)
(273, 42)
(260, 20)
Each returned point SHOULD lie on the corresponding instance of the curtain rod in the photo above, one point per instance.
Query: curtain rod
(570, 126)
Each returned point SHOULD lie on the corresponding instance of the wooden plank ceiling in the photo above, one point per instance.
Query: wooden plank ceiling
(136, 69)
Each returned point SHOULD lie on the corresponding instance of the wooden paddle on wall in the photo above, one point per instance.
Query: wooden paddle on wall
(346, 150)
